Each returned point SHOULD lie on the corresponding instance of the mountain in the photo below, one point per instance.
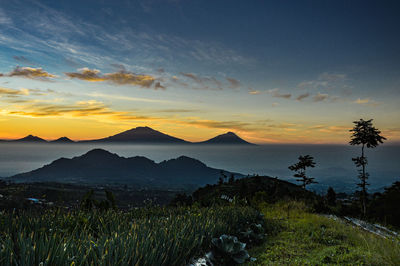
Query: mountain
(62, 140)
(227, 138)
(144, 135)
(99, 166)
(30, 138)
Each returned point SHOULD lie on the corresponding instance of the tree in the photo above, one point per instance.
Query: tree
(231, 179)
(300, 169)
(366, 135)
(222, 178)
(331, 196)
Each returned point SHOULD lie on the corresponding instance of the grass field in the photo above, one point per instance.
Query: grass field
(304, 238)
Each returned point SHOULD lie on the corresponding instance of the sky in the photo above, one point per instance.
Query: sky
(270, 71)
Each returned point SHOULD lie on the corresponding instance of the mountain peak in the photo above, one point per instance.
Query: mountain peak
(226, 138)
(31, 138)
(142, 135)
(62, 140)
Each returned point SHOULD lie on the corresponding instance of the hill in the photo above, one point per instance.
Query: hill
(228, 138)
(144, 135)
(102, 167)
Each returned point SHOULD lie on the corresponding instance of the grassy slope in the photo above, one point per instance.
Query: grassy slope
(310, 239)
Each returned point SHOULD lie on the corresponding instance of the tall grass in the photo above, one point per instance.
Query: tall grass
(148, 236)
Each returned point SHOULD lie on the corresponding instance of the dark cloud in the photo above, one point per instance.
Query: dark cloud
(302, 96)
(120, 78)
(192, 76)
(159, 86)
(277, 94)
(29, 72)
(320, 97)
(234, 83)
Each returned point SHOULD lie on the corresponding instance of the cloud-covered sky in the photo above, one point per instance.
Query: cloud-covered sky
(271, 71)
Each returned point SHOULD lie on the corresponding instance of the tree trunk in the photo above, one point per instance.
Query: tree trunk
(364, 184)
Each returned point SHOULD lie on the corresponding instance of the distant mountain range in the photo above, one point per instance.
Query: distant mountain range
(142, 135)
(101, 167)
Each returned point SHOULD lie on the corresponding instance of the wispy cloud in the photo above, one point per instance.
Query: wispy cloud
(366, 101)
(326, 80)
(236, 125)
(90, 109)
(4, 19)
(13, 92)
(320, 97)
(206, 83)
(119, 78)
(275, 93)
(23, 59)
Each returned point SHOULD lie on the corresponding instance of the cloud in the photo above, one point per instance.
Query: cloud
(23, 59)
(254, 92)
(159, 86)
(275, 93)
(202, 83)
(366, 101)
(90, 109)
(320, 97)
(4, 19)
(120, 78)
(177, 111)
(13, 92)
(234, 83)
(237, 125)
(86, 74)
(192, 76)
(326, 80)
(29, 72)
(302, 96)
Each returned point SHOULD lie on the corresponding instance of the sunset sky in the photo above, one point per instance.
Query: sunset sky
(270, 71)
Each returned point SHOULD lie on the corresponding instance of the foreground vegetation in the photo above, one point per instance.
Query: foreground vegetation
(146, 236)
(305, 238)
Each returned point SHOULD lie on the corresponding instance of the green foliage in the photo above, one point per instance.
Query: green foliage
(300, 170)
(145, 236)
(228, 250)
(384, 207)
(364, 133)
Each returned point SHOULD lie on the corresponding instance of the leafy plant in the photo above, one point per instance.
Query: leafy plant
(255, 233)
(228, 250)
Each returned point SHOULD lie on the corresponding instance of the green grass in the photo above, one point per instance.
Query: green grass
(304, 238)
(146, 236)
